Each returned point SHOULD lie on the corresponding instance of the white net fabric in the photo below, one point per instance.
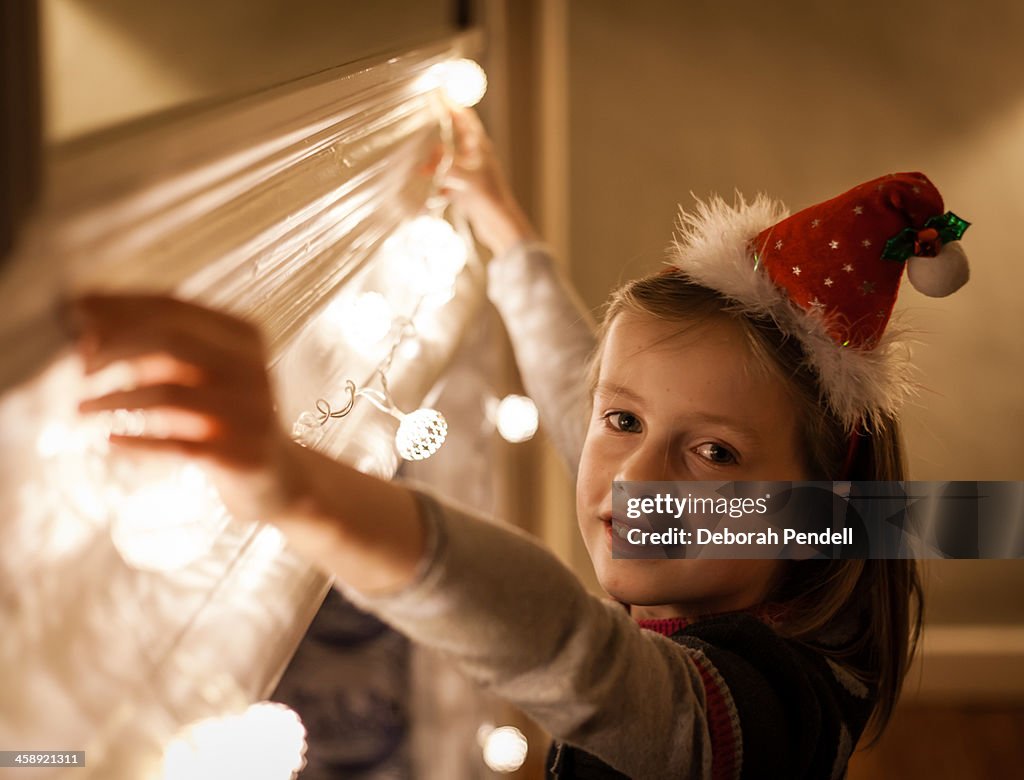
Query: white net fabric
(271, 207)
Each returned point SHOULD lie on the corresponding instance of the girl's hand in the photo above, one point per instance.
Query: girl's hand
(478, 185)
(200, 377)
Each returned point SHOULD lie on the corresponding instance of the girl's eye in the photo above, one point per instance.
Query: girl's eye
(624, 422)
(715, 453)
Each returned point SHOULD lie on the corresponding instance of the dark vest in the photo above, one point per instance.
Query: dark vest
(565, 761)
(795, 712)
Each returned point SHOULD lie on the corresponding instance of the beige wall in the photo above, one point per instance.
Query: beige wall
(803, 100)
(108, 61)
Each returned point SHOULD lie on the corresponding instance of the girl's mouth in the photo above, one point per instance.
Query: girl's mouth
(613, 528)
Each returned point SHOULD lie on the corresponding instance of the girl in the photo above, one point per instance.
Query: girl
(760, 353)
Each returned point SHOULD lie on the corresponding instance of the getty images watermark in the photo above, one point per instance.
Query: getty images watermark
(800, 520)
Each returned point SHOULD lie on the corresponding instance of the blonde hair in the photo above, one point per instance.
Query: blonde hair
(885, 596)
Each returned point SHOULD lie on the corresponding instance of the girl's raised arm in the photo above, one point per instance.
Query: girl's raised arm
(552, 332)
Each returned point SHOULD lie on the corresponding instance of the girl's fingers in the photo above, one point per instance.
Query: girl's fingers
(127, 327)
(198, 414)
(457, 183)
(200, 379)
(158, 369)
(469, 134)
(236, 452)
(249, 409)
(183, 357)
(153, 342)
(227, 428)
(126, 311)
(429, 167)
(171, 446)
(465, 121)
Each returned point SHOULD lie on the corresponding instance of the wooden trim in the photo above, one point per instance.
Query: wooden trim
(968, 663)
(20, 118)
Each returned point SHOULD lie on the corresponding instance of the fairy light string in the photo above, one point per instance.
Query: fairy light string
(423, 431)
(435, 253)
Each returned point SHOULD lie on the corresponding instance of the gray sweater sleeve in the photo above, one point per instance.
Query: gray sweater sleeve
(517, 622)
(552, 335)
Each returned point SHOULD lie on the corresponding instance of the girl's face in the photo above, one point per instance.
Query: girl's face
(681, 406)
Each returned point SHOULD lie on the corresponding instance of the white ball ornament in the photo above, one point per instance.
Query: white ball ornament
(941, 275)
(421, 434)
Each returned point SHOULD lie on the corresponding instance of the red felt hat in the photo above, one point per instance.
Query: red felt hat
(829, 276)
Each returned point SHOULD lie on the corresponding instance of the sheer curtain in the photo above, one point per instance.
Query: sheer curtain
(132, 606)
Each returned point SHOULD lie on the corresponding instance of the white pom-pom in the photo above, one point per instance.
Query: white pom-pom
(941, 275)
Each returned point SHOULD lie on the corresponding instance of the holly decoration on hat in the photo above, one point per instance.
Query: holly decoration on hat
(842, 260)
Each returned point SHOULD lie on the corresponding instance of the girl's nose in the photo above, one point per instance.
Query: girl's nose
(649, 462)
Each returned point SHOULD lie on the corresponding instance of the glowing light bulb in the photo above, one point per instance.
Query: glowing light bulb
(63, 437)
(505, 749)
(164, 515)
(68, 496)
(129, 422)
(421, 434)
(55, 437)
(364, 320)
(410, 349)
(429, 255)
(516, 418)
(463, 81)
(266, 742)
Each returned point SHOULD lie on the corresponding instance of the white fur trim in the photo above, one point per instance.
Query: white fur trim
(862, 387)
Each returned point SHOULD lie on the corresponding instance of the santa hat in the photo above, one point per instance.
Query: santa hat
(829, 275)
